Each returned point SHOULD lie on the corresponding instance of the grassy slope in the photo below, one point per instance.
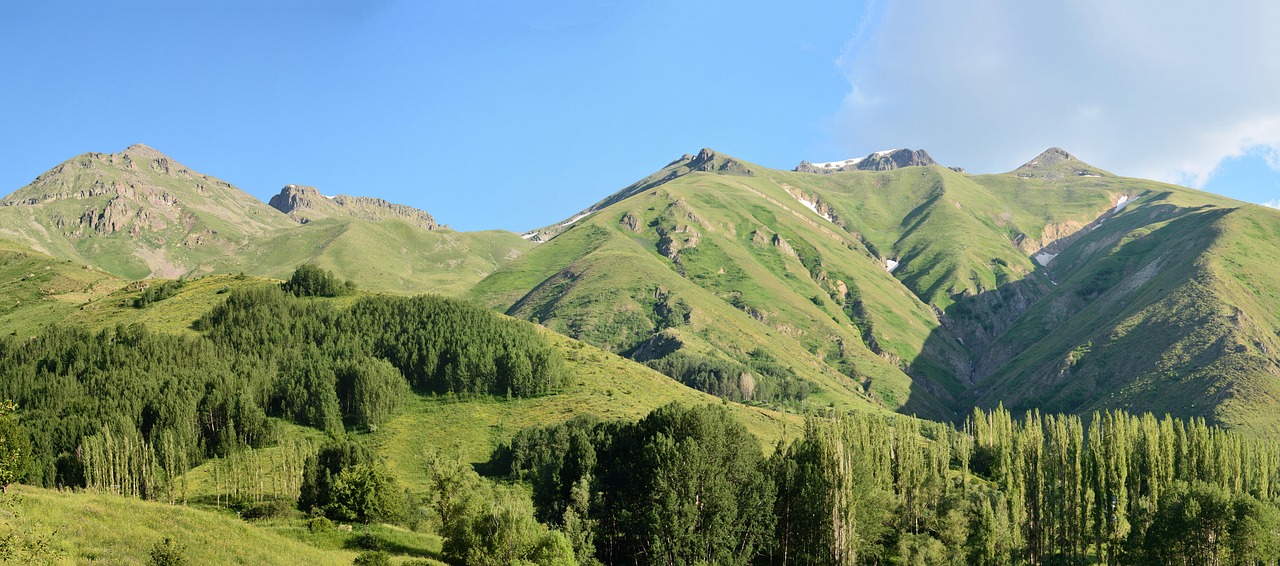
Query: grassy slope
(165, 217)
(1170, 306)
(387, 256)
(600, 281)
(168, 221)
(84, 528)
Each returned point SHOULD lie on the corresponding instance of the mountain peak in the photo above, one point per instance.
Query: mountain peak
(1049, 158)
(304, 204)
(1056, 162)
(143, 151)
(884, 160)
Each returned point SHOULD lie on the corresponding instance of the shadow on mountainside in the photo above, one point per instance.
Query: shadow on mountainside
(1056, 339)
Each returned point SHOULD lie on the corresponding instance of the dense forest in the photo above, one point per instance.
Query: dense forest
(689, 486)
(126, 410)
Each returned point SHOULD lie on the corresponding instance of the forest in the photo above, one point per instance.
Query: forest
(127, 411)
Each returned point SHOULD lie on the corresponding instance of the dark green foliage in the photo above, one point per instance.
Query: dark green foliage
(130, 404)
(167, 553)
(272, 509)
(762, 379)
(438, 345)
(309, 280)
(127, 410)
(15, 448)
(488, 524)
(860, 488)
(372, 558)
(157, 293)
(682, 486)
(319, 525)
(344, 482)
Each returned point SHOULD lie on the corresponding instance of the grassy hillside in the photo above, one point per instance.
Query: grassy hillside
(1168, 307)
(83, 528)
(139, 214)
(1057, 285)
(719, 266)
(391, 256)
(136, 214)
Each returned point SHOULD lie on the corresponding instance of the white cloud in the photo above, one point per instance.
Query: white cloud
(1157, 89)
(1272, 204)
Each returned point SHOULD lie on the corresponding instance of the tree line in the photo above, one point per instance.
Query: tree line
(689, 485)
(127, 410)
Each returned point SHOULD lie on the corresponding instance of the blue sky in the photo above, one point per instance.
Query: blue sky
(514, 116)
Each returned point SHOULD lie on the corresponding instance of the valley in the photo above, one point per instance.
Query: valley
(923, 331)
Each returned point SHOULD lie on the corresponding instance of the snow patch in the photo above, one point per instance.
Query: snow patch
(814, 207)
(572, 220)
(1123, 202)
(1045, 258)
(528, 236)
(838, 164)
(891, 264)
(327, 196)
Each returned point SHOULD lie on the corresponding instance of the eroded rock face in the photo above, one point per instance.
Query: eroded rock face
(304, 204)
(878, 161)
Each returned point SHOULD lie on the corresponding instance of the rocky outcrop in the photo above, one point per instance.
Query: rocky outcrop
(305, 204)
(712, 162)
(878, 161)
(1055, 163)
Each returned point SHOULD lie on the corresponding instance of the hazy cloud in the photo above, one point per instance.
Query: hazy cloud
(1272, 204)
(1165, 90)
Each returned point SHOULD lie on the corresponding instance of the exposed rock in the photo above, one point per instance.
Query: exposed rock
(631, 222)
(712, 162)
(877, 161)
(1057, 163)
(305, 204)
(783, 246)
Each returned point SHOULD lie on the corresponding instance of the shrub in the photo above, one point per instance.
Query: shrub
(372, 558)
(320, 525)
(268, 510)
(167, 553)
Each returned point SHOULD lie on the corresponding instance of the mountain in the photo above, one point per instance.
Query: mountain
(140, 214)
(915, 288)
(305, 204)
(137, 213)
(886, 160)
(924, 290)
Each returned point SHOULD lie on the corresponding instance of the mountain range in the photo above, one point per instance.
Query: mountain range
(884, 282)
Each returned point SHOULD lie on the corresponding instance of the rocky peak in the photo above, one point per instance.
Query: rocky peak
(1049, 158)
(877, 161)
(305, 204)
(1056, 162)
(712, 162)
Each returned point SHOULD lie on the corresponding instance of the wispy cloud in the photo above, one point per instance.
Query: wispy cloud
(1141, 88)
(1273, 204)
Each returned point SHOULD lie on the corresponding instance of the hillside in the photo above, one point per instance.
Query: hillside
(933, 289)
(137, 213)
(140, 214)
(83, 528)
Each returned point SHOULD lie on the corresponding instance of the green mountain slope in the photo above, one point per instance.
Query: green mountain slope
(140, 214)
(390, 255)
(1057, 285)
(719, 263)
(136, 213)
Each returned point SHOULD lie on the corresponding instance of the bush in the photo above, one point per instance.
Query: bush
(372, 558)
(268, 510)
(367, 541)
(310, 280)
(167, 553)
(320, 525)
